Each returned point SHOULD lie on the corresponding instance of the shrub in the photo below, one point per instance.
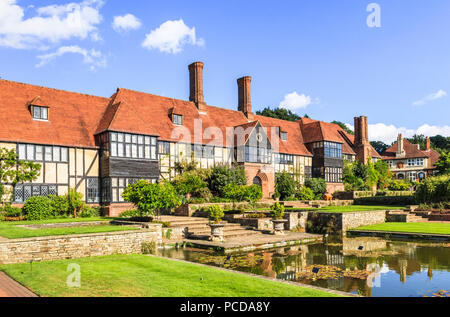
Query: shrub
(75, 202)
(39, 208)
(252, 193)
(386, 200)
(13, 212)
(434, 190)
(90, 212)
(305, 193)
(133, 213)
(223, 175)
(216, 213)
(148, 247)
(189, 183)
(285, 185)
(148, 197)
(277, 211)
(60, 204)
(399, 185)
(317, 185)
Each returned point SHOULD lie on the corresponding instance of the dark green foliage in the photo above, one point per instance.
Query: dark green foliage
(285, 186)
(317, 185)
(443, 165)
(39, 208)
(279, 113)
(384, 174)
(60, 204)
(90, 212)
(386, 200)
(344, 127)
(238, 193)
(13, 212)
(223, 175)
(434, 190)
(75, 202)
(189, 184)
(379, 146)
(149, 198)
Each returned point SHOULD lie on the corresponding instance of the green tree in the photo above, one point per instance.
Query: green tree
(285, 185)
(379, 146)
(384, 174)
(443, 165)
(148, 197)
(279, 113)
(223, 175)
(418, 139)
(317, 185)
(14, 171)
(343, 126)
(440, 142)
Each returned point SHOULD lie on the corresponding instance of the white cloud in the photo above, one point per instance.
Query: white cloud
(49, 25)
(434, 96)
(126, 22)
(294, 101)
(389, 133)
(171, 36)
(91, 57)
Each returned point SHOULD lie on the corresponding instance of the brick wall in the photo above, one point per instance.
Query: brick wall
(77, 246)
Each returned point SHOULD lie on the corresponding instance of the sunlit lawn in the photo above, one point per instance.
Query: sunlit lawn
(146, 276)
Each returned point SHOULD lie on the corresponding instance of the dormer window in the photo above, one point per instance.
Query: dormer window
(40, 113)
(284, 136)
(177, 119)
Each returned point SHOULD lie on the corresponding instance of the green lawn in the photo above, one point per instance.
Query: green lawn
(415, 227)
(10, 230)
(353, 208)
(146, 276)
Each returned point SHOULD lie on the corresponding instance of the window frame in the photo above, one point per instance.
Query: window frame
(37, 113)
(177, 119)
(133, 146)
(52, 189)
(63, 153)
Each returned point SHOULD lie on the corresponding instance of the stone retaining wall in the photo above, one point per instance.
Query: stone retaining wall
(321, 222)
(77, 246)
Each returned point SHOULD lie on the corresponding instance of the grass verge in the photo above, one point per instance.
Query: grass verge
(415, 227)
(146, 276)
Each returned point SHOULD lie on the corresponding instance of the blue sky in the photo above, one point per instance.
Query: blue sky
(319, 57)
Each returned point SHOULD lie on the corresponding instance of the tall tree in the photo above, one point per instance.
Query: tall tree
(418, 139)
(343, 126)
(443, 165)
(279, 113)
(379, 146)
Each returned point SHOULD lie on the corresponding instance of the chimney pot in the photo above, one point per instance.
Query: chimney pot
(245, 100)
(196, 85)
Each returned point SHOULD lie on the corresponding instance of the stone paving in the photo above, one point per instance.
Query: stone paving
(10, 288)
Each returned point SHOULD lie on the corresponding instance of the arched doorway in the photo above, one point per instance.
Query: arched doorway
(257, 181)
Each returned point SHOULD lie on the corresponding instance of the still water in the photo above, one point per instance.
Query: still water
(370, 267)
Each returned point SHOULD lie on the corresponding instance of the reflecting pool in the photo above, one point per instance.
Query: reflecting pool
(371, 267)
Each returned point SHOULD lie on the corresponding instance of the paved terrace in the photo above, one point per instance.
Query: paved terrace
(10, 288)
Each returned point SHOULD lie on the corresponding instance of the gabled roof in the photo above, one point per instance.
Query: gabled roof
(411, 151)
(73, 117)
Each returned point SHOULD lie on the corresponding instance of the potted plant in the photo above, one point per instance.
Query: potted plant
(277, 214)
(216, 214)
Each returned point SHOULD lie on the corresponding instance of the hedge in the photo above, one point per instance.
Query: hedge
(434, 190)
(39, 208)
(386, 200)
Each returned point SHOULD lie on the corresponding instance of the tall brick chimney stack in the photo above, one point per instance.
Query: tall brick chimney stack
(428, 144)
(196, 85)
(362, 144)
(245, 99)
(400, 146)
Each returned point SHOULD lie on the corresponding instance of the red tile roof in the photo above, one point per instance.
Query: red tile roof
(73, 117)
(411, 151)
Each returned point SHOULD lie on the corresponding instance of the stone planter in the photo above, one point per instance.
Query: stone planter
(278, 226)
(217, 232)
